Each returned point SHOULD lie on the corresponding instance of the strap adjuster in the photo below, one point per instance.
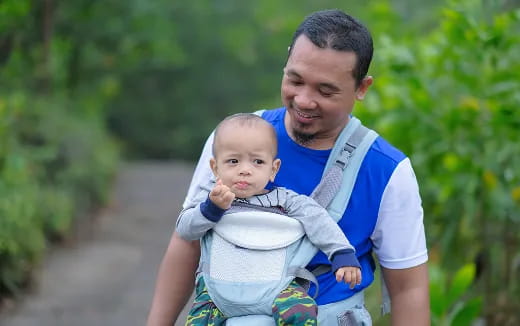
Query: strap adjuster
(341, 164)
(345, 156)
(349, 147)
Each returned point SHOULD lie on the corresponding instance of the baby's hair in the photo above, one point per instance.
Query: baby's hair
(251, 120)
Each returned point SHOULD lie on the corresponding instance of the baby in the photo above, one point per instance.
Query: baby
(244, 161)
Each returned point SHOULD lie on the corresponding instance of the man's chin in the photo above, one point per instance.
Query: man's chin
(302, 137)
(299, 131)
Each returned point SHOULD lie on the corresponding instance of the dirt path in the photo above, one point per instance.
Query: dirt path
(107, 278)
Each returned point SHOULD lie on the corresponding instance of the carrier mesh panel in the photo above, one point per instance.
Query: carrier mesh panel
(231, 263)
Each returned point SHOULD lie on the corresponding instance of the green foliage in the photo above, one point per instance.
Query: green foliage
(449, 100)
(448, 303)
(56, 157)
(21, 234)
(54, 165)
(12, 12)
(232, 58)
(161, 74)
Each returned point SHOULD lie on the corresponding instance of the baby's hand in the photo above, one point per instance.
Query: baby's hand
(350, 275)
(221, 195)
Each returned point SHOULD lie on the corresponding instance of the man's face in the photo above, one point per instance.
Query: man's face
(244, 159)
(319, 91)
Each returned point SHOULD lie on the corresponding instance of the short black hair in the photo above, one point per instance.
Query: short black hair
(337, 30)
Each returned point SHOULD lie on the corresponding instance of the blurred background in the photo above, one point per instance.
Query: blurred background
(86, 85)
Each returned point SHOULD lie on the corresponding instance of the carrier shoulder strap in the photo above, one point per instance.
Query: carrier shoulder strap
(340, 174)
(343, 165)
(332, 178)
(335, 187)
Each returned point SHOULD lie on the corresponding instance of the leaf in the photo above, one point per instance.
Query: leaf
(468, 313)
(461, 282)
(437, 291)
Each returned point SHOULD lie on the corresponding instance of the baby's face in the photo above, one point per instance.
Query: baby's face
(245, 159)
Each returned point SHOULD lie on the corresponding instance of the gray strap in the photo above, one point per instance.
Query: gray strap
(321, 269)
(305, 274)
(331, 181)
(386, 304)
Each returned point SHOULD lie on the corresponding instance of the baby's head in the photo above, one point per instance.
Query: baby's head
(244, 154)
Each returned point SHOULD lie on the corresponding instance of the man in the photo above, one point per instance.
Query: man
(325, 73)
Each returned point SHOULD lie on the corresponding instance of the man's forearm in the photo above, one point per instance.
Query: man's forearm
(175, 281)
(409, 292)
(410, 309)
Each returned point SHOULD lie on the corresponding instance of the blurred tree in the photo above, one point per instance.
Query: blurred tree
(448, 100)
(229, 57)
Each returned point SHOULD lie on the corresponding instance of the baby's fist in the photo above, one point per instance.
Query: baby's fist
(221, 195)
(350, 275)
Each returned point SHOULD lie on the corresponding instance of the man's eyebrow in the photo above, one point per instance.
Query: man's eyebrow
(293, 73)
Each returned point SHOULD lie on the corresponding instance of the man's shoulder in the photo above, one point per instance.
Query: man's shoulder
(274, 115)
(383, 152)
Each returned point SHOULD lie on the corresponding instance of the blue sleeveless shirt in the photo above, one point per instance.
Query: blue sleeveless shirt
(301, 171)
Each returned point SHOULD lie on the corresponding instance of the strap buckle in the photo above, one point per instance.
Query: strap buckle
(345, 155)
(349, 147)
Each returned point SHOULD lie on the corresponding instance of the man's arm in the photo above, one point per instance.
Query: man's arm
(175, 281)
(176, 276)
(400, 245)
(409, 293)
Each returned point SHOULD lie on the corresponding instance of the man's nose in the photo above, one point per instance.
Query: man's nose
(305, 99)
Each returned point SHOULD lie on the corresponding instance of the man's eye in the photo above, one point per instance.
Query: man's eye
(325, 93)
(296, 82)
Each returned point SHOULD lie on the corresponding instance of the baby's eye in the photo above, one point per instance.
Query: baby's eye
(258, 161)
(232, 161)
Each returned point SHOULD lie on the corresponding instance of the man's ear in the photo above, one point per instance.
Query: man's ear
(213, 166)
(276, 167)
(363, 88)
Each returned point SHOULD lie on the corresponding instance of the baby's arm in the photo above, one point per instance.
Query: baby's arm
(325, 234)
(196, 220)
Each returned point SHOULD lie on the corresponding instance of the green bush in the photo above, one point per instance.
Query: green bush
(55, 164)
(450, 304)
(21, 234)
(450, 100)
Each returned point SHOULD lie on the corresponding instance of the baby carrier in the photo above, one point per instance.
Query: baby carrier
(253, 253)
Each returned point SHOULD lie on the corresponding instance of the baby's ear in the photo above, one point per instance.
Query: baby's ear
(213, 166)
(276, 167)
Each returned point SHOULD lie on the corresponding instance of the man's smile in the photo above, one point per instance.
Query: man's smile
(305, 117)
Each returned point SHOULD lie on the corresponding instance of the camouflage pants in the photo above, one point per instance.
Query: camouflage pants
(293, 306)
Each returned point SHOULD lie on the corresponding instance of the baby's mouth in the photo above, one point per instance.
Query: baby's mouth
(241, 185)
